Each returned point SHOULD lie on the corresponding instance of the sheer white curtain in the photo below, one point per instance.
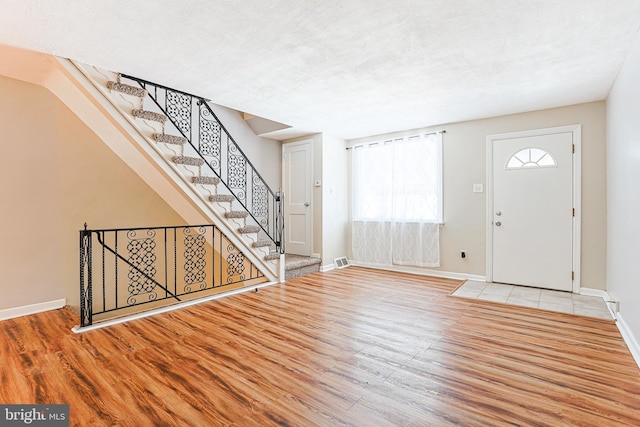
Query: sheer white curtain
(397, 201)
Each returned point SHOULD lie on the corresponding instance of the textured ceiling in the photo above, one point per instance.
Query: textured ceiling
(350, 68)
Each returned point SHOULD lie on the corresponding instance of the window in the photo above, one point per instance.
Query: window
(397, 201)
(531, 158)
(398, 180)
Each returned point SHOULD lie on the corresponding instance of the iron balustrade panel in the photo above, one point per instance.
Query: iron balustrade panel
(86, 275)
(193, 118)
(124, 269)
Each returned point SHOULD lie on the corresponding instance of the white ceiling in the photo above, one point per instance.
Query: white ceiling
(350, 68)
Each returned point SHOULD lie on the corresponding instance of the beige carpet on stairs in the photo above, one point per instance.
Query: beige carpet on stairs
(298, 265)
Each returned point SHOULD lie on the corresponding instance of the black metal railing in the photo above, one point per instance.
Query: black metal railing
(191, 116)
(124, 269)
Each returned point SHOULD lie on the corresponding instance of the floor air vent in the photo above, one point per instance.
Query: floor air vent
(341, 262)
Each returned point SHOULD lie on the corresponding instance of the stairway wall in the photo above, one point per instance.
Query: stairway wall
(264, 153)
(58, 174)
(335, 200)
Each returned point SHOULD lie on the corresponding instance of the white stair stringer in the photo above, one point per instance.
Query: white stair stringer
(133, 140)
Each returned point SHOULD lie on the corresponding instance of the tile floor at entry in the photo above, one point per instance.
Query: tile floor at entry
(564, 302)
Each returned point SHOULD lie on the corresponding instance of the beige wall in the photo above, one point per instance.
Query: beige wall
(464, 157)
(317, 196)
(29, 262)
(335, 215)
(57, 175)
(265, 154)
(623, 202)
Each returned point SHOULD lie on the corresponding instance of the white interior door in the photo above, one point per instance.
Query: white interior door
(297, 165)
(532, 212)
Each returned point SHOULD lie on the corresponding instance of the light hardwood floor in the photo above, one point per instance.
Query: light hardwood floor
(348, 347)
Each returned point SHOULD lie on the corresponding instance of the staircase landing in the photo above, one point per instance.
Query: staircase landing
(298, 265)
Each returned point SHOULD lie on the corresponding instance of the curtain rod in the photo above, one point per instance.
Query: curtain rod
(374, 143)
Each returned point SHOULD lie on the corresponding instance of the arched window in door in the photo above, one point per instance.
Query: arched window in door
(531, 158)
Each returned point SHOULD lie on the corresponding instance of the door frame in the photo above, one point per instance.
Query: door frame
(576, 131)
(285, 189)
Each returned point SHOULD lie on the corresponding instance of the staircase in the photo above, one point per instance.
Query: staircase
(183, 129)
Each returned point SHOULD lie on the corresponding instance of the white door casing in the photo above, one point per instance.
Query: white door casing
(533, 201)
(297, 178)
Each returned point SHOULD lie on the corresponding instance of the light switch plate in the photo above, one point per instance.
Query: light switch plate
(478, 188)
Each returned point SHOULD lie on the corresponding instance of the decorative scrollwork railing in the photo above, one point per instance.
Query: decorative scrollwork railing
(123, 269)
(191, 116)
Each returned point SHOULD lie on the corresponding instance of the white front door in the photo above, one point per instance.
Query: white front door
(532, 210)
(297, 165)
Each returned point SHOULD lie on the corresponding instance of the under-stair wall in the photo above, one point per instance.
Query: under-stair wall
(60, 174)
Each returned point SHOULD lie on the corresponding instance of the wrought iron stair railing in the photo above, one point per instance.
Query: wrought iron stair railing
(128, 270)
(194, 119)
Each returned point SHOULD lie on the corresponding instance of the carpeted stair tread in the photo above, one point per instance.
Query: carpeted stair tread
(298, 266)
(150, 115)
(272, 256)
(169, 139)
(249, 229)
(297, 261)
(206, 180)
(188, 161)
(236, 214)
(262, 243)
(127, 89)
(222, 198)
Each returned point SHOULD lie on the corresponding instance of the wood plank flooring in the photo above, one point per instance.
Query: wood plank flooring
(353, 347)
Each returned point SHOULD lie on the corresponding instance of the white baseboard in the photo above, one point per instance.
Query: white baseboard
(327, 267)
(124, 319)
(629, 339)
(423, 271)
(594, 293)
(25, 310)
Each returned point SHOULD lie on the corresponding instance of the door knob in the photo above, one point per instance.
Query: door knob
(498, 223)
(306, 204)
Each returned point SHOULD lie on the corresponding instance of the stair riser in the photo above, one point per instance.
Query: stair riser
(237, 223)
(168, 150)
(189, 171)
(303, 271)
(222, 206)
(263, 251)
